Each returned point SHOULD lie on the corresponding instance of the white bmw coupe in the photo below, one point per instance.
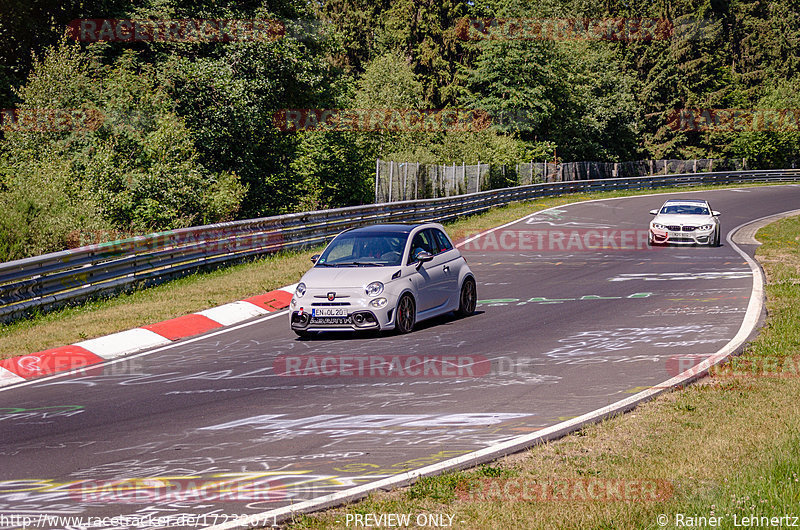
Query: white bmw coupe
(685, 221)
(383, 277)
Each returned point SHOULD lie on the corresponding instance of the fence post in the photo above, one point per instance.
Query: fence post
(377, 170)
(405, 179)
(666, 163)
(416, 182)
(694, 166)
(651, 167)
(616, 170)
(391, 174)
(478, 180)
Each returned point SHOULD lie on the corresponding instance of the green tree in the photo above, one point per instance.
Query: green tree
(138, 165)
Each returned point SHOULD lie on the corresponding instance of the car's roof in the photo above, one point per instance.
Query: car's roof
(685, 201)
(393, 227)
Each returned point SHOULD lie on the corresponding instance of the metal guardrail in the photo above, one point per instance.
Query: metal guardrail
(59, 278)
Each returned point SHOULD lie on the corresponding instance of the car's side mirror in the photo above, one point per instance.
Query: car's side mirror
(715, 213)
(314, 258)
(653, 212)
(423, 257)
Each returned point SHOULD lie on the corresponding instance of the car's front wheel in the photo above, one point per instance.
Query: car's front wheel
(468, 299)
(715, 240)
(406, 314)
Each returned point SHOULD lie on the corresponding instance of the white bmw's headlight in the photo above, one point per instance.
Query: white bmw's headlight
(300, 290)
(705, 227)
(658, 226)
(378, 302)
(374, 289)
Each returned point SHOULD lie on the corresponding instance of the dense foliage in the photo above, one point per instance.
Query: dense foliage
(187, 134)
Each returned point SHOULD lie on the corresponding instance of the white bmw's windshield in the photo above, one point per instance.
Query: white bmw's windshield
(686, 209)
(364, 249)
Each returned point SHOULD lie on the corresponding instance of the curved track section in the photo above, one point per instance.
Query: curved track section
(250, 418)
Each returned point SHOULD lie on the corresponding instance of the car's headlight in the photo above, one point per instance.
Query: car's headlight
(378, 302)
(300, 290)
(658, 226)
(374, 289)
(705, 227)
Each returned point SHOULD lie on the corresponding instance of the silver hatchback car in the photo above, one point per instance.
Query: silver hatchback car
(383, 277)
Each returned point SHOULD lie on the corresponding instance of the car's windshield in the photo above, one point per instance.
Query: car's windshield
(687, 209)
(364, 249)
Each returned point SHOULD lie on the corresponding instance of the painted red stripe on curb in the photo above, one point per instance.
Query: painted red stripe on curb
(271, 301)
(50, 361)
(185, 326)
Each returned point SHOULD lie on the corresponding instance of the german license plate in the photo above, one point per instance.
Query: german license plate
(336, 312)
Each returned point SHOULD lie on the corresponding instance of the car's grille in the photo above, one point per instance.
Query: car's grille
(676, 228)
(689, 228)
(328, 304)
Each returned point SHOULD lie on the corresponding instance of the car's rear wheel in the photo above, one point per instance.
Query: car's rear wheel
(468, 299)
(406, 314)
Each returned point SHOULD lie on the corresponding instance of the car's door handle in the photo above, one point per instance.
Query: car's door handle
(446, 268)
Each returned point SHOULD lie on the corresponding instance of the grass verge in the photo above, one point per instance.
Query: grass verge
(728, 447)
(204, 290)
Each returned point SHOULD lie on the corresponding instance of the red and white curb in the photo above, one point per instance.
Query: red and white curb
(101, 349)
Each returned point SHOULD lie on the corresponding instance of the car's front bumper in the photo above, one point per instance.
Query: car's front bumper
(361, 316)
(695, 237)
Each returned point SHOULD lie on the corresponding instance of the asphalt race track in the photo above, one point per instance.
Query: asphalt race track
(250, 418)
